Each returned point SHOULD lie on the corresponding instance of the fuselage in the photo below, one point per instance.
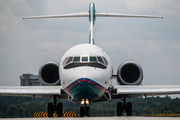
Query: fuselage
(85, 72)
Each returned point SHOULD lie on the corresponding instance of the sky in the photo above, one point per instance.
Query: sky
(154, 43)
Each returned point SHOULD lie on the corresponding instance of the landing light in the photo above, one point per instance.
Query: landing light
(87, 101)
(84, 101)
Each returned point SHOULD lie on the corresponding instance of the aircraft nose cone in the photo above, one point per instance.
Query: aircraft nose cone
(85, 86)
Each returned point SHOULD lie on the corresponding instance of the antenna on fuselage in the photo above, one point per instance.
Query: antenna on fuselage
(92, 14)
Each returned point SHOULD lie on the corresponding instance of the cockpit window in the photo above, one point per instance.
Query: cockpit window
(65, 61)
(105, 61)
(76, 59)
(69, 60)
(84, 59)
(100, 60)
(90, 61)
(93, 59)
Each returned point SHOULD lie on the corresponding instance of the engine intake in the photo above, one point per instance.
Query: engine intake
(129, 73)
(49, 74)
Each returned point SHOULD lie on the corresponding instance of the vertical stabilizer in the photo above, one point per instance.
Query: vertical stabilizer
(92, 21)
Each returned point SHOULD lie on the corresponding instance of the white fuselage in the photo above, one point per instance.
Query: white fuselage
(85, 62)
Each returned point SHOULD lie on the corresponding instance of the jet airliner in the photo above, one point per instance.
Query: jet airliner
(84, 75)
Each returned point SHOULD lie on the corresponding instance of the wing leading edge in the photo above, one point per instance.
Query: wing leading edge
(146, 90)
(36, 91)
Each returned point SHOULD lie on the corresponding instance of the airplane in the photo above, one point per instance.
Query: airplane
(84, 75)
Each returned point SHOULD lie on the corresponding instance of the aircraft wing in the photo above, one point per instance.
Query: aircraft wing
(32, 91)
(144, 90)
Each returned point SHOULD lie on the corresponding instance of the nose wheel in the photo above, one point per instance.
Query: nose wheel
(84, 111)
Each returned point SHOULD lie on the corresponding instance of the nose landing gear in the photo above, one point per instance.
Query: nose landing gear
(84, 110)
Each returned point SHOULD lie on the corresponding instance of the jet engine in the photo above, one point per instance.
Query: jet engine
(129, 73)
(49, 74)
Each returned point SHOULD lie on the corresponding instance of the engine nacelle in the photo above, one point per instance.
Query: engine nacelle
(49, 74)
(129, 73)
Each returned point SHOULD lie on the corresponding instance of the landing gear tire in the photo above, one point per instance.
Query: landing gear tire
(119, 109)
(82, 111)
(87, 111)
(55, 108)
(60, 109)
(129, 109)
(50, 110)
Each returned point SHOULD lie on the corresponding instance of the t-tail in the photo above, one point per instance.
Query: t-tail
(92, 14)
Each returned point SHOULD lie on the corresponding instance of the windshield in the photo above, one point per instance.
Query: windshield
(91, 61)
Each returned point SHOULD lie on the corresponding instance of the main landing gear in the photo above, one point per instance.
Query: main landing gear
(55, 108)
(123, 106)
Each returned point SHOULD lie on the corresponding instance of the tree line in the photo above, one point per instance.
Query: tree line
(18, 107)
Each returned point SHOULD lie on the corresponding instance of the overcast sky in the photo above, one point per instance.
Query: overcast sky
(154, 43)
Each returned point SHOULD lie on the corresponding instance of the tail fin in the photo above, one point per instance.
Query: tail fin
(92, 17)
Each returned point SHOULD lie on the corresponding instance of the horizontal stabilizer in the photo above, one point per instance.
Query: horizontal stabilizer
(60, 16)
(92, 14)
(124, 15)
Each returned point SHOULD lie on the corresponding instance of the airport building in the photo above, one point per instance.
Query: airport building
(29, 80)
